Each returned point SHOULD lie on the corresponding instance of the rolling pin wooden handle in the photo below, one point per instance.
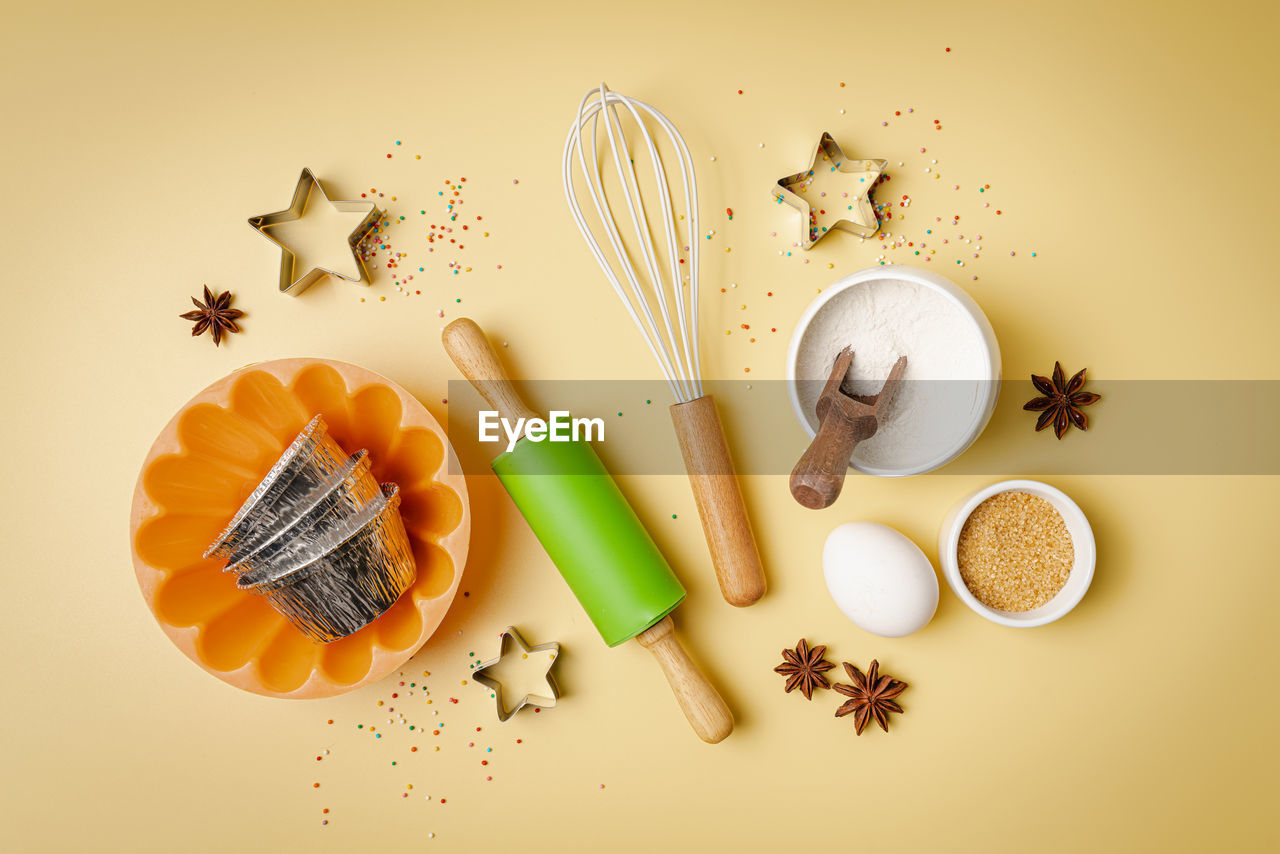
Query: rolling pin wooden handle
(719, 498)
(701, 704)
(818, 477)
(467, 345)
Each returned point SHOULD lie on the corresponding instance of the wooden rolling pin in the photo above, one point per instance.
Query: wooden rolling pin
(592, 535)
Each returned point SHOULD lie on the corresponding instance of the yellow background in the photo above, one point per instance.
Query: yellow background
(1130, 145)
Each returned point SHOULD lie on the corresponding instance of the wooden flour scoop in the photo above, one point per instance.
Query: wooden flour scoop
(844, 420)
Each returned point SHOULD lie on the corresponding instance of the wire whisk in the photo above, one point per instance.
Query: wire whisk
(652, 265)
(659, 287)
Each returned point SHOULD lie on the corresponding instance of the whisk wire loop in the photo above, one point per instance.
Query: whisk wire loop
(646, 297)
(629, 181)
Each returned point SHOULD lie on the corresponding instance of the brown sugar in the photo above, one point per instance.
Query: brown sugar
(1015, 553)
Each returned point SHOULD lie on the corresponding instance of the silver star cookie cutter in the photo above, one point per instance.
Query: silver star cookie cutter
(290, 282)
(861, 219)
(510, 635)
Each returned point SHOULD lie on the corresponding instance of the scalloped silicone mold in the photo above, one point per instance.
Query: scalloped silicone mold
(208, 459)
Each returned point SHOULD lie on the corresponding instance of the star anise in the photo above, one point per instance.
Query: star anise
(1062, 401)
(804, 667)
(215, 314)
(871, 696)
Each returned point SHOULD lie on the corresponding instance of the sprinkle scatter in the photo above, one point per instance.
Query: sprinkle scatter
(901, 238)
(924, 220)
(446, 229)
(411, 242)
(408, 713)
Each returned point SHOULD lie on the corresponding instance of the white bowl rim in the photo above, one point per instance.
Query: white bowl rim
(1082, 542)
(950, 291)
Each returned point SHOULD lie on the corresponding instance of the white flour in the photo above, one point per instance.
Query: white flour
(881, 320)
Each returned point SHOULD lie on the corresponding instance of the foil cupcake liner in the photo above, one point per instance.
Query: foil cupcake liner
(351, 584)
(311, 463)
(331, 511)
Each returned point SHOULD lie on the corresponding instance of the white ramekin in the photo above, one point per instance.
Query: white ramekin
(1081, 540)
(982, 409)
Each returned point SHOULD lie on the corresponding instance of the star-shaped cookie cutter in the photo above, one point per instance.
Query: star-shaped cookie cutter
(307, 182)
(862, 220)
(509, 635)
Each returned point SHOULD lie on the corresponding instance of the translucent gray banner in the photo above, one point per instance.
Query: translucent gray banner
(1139, 427)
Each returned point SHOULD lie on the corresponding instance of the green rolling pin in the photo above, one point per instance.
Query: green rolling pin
(592, 535)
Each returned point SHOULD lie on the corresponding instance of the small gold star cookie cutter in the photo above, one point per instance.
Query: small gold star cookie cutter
(293, 284)
(511, 635)
(861, 219)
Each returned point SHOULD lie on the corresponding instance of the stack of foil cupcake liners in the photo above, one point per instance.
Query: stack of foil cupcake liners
(319, 539)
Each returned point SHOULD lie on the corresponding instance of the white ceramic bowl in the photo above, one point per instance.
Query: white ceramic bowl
(986, 393)
(1081, 540)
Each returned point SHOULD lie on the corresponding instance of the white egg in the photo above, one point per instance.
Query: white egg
(880, 579)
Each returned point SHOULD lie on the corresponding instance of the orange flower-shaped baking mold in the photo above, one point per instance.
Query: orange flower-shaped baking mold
(208, 459)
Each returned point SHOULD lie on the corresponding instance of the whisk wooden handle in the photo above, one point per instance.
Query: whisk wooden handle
(719, 498)
(701, 704)
(467, 345)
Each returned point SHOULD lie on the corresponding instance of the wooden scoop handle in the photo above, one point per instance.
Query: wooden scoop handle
(701, 704)
(818, 477)
(466, 344)
(719, 499)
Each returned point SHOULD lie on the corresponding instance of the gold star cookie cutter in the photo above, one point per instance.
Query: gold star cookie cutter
(511, 635)
(290, 282)
(860, 218)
